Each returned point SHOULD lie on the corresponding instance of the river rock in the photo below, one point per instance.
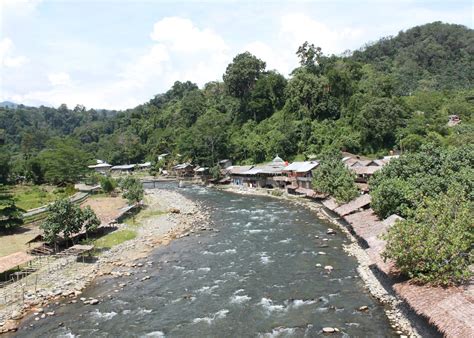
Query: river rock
(94, 301)
(363, 308)
(16, 315)
(329, 330)
(328, 267)
(145, 278)
(331, 232)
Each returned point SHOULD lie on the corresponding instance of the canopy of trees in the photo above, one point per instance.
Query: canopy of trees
(396, 93)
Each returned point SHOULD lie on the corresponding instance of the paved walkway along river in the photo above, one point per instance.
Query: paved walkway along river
(261, 274)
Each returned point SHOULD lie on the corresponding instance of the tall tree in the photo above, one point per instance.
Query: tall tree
(10, 214)
(241, 75)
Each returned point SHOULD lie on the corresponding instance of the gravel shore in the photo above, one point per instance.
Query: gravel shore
(176, 216)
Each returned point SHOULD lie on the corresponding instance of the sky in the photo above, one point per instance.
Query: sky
(113, 54)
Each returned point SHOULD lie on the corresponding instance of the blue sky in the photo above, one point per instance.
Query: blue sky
(117, 54)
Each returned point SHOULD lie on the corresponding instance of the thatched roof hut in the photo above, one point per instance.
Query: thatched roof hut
(330, 203)
(354, 205)
(15, 259)
(451, 310)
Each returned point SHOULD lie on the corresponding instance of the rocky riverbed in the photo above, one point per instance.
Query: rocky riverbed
(402, 320)
(66, 277)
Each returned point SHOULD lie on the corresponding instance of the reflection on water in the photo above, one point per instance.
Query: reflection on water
(261, 274)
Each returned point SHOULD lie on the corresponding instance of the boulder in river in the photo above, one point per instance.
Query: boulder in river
(329, 330)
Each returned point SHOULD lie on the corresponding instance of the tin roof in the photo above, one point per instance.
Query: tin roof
(301, 167)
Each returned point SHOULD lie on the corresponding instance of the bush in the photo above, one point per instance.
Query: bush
(434, 246)
(10, 215)
(66, 218)
(107, 184)
(132, 189)
(392, 196)
(332, 177)
(407, 181)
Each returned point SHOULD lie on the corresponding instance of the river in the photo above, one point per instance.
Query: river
(259, 275)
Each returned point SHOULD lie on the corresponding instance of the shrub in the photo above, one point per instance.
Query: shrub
(107, 184)
(434, 246)
(332, 177)
(67, 218)
(132, 189)
(10, 214)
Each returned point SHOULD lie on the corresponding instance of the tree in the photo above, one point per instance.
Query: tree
(10, 214)
(206, 141)
(268, 95)
(132, 189)
(378, 122)
(64, 162)
(308, 96)
(406, 182)
(332, 177)
(310, 57)
(67, 219)
(107, 184)
(435, 244)
(5, 165)
(241, 75)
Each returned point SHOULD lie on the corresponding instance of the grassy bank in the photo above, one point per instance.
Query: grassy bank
(114, 238)
(33, 196)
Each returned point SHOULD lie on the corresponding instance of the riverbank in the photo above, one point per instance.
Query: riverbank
(172, 216)
(403, 320)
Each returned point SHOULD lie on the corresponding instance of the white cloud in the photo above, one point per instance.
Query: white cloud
(19, 5)
(180, 34)
(59, 79)
(6, 57)
(278, 57)
(180, 51)
(296, 28)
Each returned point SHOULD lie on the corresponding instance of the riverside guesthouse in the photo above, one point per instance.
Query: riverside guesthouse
(300, 175)
(184, 170)
(261, 176)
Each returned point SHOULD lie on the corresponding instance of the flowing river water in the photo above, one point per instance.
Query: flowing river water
(257, 276)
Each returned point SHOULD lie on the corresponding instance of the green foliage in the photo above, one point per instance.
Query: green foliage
(215, 172)
(433, 56)
(114, 238)
(10, 214)
(332, 177)
(66, 219)
(132, 189)
(379, 120)
(435, 245)
(63, 162)
(405, 182)
(107, 184)
(242, 74)
(5, 165)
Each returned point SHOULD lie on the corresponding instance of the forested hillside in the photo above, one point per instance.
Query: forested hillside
(395, 94)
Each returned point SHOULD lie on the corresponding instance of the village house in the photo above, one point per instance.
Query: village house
(262, 176)
(183, 170)
(202, 173)
(235, 173)
(123, 169)
(224, 164)
(101, 167)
